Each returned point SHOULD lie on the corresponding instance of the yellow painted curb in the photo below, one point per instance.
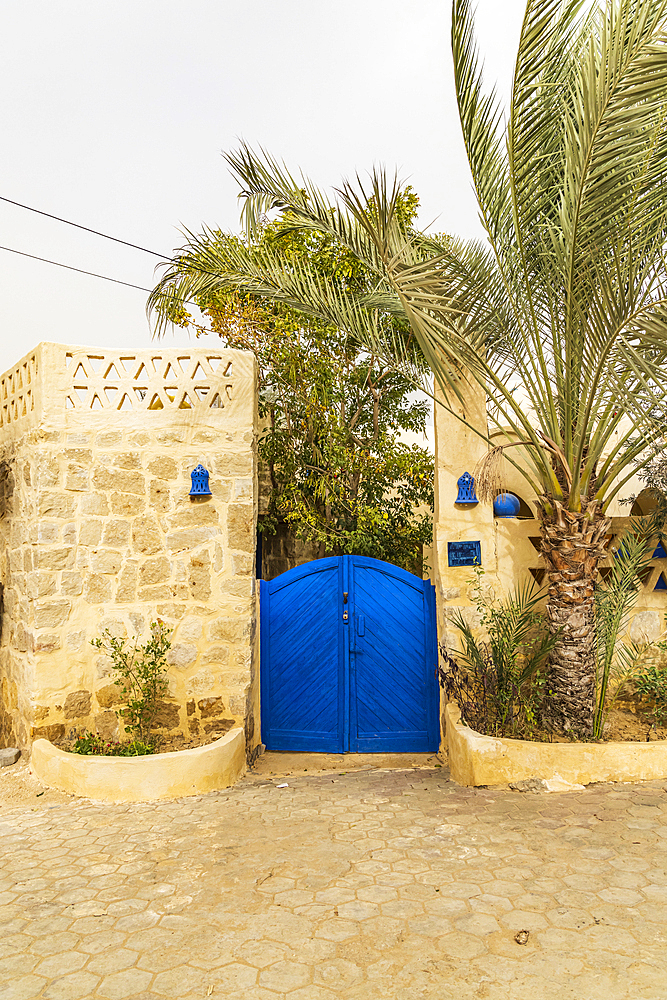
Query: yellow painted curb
(143, 779)
(484, 760)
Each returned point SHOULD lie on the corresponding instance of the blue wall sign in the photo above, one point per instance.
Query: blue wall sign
(464, 553)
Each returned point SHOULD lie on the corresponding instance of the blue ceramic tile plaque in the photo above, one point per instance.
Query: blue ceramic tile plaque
(464, 553)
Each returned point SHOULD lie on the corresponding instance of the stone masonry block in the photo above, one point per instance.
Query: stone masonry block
(116, 533)
(241, 527)
(77, 704)
(41, 583)
(108, 695)
(62, 558)
(242, 564)
(243, 489)
(127, 585)
(197, 516)
(47, 471)
(54, 732)
(80, 456)
(76, 478)
(71, 582)
(233, 465)
(181, 655)
(48, 532)
(56, 505)
(46, 642)
(127, 460)
(126, 505)
(107, 439)
(90, 533)
(216, 655)
(69, 533)
(167, 715)
(106, 725)
(163, 468)
(227, 629)
(95, 503)
(146, 535)
(210, 706)
(179, 541)
(106, 561)
(159, 497)
(97, 589)
(155, 570)
(123, 482)
(199, 576)
(49, 614)
(165, 592)
(140, 439)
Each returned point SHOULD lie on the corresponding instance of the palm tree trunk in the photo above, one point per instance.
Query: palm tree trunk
(572, 546)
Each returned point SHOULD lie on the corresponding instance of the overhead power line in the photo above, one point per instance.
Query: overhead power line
(79, 270)
(87, 229)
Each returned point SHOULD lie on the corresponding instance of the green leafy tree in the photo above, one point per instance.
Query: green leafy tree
(565, 301)
(333, 411)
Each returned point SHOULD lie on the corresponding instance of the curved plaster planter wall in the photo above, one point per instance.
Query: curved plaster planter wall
(484, 760)
(142, 779)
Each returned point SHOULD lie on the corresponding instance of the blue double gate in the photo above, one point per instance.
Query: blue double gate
(348, 658)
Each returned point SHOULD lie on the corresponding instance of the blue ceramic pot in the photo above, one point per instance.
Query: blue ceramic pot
(506, 505)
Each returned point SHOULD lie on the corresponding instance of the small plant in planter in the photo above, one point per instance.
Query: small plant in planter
(141, 675)
(93, 745)
(497, 678)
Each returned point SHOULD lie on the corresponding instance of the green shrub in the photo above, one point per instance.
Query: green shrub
(651, 686)
(498, 677)
(141, 676)
(92, 744)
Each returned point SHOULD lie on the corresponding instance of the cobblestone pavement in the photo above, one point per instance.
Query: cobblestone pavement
(385, 884)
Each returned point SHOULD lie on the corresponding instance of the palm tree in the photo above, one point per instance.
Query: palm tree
(565, 300)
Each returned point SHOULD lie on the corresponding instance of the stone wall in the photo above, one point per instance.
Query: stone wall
(98, 531)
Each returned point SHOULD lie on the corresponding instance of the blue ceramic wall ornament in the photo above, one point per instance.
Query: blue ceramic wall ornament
(506, 505)
(199, 478)
(466, 485)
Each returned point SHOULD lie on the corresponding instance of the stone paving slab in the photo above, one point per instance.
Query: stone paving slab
(392, 884)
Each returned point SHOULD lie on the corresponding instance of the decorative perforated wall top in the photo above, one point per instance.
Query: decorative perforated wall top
(124, 381)
(17, 391)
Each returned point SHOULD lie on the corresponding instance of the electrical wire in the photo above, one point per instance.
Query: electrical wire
(87, 229)
(79, 270)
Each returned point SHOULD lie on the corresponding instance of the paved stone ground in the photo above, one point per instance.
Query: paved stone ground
(387, 884)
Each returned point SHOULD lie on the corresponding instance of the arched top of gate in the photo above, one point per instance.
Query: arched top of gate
(389, 569)
(335, 562)
(306, 569)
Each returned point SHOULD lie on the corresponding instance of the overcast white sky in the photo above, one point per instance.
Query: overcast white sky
(114, 114)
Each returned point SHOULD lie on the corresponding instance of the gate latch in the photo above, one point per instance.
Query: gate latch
(345, 614)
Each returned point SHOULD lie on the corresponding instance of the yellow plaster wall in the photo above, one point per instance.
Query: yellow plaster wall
(99, 531)
(507, 552)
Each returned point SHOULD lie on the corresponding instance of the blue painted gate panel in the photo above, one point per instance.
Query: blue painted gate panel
(302, 666)
(348, 653)
(394, 692)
